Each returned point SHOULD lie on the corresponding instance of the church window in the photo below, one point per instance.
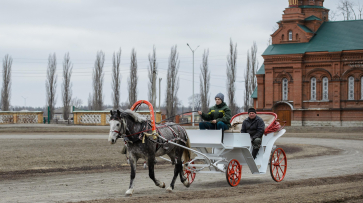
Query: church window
(361, 88)
(325, 88)
(282, 37)
(351, 88)
(284, 89)
(313, 89)
(290, 35)
(297, 37)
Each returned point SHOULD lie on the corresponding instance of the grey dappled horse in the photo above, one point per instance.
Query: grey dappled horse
(130, 126)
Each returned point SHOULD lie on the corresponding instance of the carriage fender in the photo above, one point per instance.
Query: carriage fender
(268, 142)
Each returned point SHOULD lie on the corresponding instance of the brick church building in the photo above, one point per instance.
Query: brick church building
(312, 73)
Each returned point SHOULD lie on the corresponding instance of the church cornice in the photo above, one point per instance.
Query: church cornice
(318, 65)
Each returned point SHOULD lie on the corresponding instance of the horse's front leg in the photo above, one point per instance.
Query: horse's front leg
(133, 162)
(151, 162)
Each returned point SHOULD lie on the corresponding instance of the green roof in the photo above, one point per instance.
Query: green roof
(312, 18)
(254, 94)
(306, 29)
(261, 71)
(312, 7)
(332, 36)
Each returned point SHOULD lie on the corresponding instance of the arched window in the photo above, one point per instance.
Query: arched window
(325, 89)
(297, 37)
(282, 37)
(285, 89)
(313, 89)
(290, 35)
(361, 88)
(351, 88)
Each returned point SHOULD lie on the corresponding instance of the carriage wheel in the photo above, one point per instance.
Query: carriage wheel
(234, 173)
(189, 174)
(278, 165)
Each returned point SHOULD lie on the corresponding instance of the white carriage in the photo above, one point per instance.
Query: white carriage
(226, 152)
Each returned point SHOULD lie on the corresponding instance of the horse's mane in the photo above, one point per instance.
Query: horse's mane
(137, 117)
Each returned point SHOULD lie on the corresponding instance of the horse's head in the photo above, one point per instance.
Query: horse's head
(123, 124)
(117, 126)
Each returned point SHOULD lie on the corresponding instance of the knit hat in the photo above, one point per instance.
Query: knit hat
(251, 110)
(221, 96)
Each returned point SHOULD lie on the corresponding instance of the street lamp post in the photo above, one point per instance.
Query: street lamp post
(160, 94)
(24, 101)
(193, 83)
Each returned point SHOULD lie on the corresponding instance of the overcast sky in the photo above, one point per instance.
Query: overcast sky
(31, 30)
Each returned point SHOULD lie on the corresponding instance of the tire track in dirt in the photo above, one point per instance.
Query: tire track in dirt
(112, 185)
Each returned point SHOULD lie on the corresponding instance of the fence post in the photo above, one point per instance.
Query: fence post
(48, 115)
(15, 118)
(103, 118)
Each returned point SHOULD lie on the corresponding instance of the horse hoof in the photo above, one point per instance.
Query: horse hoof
(163, 185)
(129, 192)
(169, 189)
(186, 183)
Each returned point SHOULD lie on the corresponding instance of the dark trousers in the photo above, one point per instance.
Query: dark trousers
(212, 126)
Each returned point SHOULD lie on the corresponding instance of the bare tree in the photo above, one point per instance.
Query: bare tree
(172, 86)
(351, 5)
(250, 76)
(98, 74)
(254, 67)
(246, 102)
(116, 79)
(6, 87)
(205, 82)
(332, 15)
(67, 85)
(153, 73)
(197, 101)
(77, 102)
(231, 76)
(132, 81)
(90, 101)
(51, 84)
(346, 9)
(360, 10)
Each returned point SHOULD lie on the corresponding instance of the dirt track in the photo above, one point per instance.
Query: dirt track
(305, 181)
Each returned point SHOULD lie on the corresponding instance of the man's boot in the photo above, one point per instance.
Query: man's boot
(254, 153)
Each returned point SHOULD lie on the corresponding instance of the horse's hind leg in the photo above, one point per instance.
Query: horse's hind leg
(183, 179)
(133, 161)
(151, 162)
(178, 169)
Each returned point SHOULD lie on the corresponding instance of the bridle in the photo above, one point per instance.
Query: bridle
(123, 124)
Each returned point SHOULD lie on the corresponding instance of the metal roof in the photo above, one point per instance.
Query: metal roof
(306, 29)
(332, 36)
(312, 18)
(254, 94)
(261, 71)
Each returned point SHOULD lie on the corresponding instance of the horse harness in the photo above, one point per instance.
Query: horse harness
(159, 142)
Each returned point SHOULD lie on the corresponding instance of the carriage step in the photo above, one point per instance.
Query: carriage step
(250, 160)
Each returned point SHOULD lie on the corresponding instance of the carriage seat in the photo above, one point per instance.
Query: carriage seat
(237, 121)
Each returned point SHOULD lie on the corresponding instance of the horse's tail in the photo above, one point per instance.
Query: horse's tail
(186, 153)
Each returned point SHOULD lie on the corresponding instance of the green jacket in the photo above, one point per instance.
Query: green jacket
(219, 113)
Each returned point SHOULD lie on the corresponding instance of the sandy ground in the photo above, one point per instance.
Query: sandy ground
(53, 166)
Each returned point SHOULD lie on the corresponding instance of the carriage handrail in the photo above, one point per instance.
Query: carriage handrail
(274, 126)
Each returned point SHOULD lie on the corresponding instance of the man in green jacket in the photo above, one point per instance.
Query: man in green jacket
(219, 116)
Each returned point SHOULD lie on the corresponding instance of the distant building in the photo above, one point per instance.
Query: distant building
(58, 113)
(312, 73)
